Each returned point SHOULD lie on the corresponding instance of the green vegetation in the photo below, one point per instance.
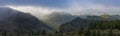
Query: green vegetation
(95, 28)
(103, 25)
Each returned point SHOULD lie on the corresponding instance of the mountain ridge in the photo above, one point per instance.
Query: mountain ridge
(19, 22)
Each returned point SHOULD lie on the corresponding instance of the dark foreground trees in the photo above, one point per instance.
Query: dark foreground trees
(96, 28)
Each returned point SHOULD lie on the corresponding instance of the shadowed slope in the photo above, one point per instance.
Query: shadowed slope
(13, 21)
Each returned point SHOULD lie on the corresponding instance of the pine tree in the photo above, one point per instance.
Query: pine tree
(43, 32)
(56, 32)
(49, 34)
(4, 33)
(110, 32)
(98, 33)
(80, 30)
(93, 33)
(87, 33)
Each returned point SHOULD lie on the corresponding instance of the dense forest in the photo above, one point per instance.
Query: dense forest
(96, 28)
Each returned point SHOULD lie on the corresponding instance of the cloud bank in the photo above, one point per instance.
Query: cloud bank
(76, 7)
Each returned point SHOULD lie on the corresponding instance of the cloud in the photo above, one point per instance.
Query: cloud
(107, 2)
(75, 8)
(47, 3)
(92, 9)
(37, 11)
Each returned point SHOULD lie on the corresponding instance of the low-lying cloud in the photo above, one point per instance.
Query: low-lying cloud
(93, 9)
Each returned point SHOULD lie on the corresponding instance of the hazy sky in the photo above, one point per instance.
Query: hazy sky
(59, 3)
(72, 6)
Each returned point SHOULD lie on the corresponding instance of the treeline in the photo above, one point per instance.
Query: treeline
(95, 28)
(98, 28)
(115, 24)
(24, 33)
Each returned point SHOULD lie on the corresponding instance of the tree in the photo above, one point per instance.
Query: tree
(4, 33)
(43, 32)
(87, 33)
(110, 32)
(98, 33)
(93, 33)
(80, 30)
(59, 33)
(56, 32)
(50, 34)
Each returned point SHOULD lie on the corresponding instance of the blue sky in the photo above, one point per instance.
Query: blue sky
(47, 3)
(72, 6)
(58, 3)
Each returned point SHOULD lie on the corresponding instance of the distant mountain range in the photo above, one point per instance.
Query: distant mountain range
(79, 22)
(12, 20)
(104, 17)
(74, 25)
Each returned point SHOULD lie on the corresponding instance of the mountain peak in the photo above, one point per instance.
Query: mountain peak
(105, 16)
(57, 18)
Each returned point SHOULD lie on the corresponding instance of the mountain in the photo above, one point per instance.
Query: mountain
(103, 17)
(73, 25)
(84, 21)
(55, 19)
(116, 17)
(14, 21)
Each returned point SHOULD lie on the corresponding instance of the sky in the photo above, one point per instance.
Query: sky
(76, 7)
